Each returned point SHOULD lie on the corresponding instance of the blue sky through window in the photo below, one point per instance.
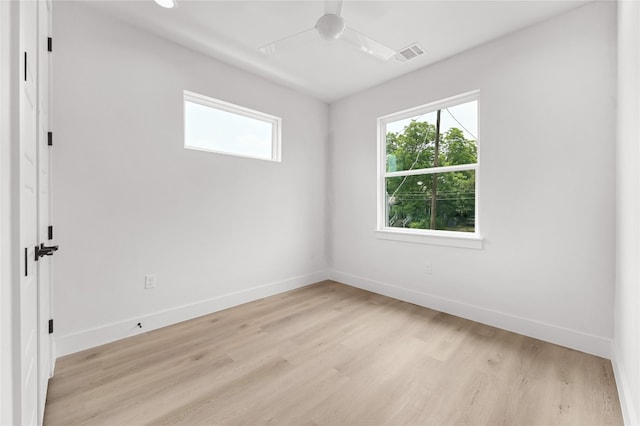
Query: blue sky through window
(212, 129)
(466, 114)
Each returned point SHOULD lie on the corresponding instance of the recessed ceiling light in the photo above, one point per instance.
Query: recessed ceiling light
(168, 4)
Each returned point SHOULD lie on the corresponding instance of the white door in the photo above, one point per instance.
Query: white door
(28, 194)
(45, 361)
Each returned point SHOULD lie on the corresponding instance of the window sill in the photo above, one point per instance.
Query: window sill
(438, 238)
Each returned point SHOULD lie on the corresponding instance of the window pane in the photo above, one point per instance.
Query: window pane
(213, 129)
(410, 201)
(412, 142)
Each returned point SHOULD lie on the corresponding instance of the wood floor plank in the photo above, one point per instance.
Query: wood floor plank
(331, 354)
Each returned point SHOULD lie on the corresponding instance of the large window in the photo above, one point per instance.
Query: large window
(429, 167)
(217, 126)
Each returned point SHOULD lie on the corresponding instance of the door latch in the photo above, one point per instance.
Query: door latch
(44, 251)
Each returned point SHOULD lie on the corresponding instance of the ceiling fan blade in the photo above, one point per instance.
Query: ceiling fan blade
(290, 42)
(333, 7)
(367, 45)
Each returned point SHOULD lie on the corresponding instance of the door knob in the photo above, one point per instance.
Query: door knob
(45, 250)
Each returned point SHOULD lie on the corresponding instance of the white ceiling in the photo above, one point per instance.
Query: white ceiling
(232, 31)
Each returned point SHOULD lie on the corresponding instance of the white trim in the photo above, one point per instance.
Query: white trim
(425, 236)
(585, 342)
(381, 168)
(229, 107)
(432, 170)
(9, 37)
(629, 415)
(276, 123)
(430, 107)
(93, 337)
(438, 238)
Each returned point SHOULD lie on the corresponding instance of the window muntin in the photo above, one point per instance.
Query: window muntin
(217, 126)
(414, 184)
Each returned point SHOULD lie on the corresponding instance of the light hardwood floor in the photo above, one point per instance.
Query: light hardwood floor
(329, 354)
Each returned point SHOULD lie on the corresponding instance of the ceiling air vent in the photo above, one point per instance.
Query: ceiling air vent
(410, 52)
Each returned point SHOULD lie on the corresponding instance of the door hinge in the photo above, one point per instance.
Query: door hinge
(50, 232)
(50, 138)
(49, 44)
(50, 326)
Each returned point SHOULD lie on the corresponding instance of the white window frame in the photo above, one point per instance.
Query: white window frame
(471, 240)
(276, 123)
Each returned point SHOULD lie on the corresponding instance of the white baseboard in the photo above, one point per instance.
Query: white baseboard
(93, 337)
(584, 342)
(626, 399)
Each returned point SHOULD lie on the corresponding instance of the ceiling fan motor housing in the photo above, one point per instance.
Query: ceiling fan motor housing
(330, 27)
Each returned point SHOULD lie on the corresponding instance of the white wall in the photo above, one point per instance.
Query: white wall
(626, 348)
(547, 185)
(130, 200)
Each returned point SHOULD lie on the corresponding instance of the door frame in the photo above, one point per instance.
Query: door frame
(10, 258)
(9, 246)
(45, 358)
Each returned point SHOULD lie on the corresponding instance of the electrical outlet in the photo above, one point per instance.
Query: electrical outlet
(149, 281)
(428, 269)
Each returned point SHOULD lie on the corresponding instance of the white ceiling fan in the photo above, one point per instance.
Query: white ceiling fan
(331, 26)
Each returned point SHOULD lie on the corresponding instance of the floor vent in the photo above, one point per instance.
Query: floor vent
(409, 53)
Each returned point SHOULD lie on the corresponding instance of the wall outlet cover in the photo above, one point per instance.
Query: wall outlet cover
(150, 281)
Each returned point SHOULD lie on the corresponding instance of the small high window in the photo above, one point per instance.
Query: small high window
(218, 126)
(428, 168)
